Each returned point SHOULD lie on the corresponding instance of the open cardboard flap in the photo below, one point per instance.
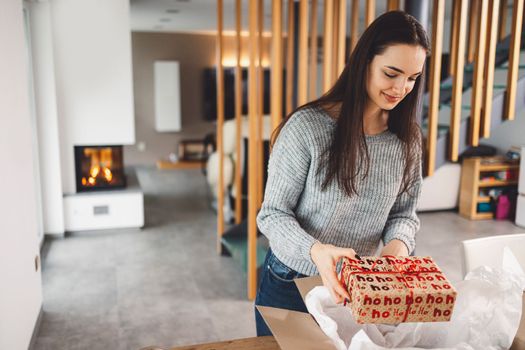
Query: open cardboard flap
(306, 284)
(296, 330)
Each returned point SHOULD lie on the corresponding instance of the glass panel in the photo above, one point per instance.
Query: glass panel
(99, 167)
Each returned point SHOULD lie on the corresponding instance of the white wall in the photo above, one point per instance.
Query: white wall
(92, 49)
(47, 117)
(20, 284)
(510, 133)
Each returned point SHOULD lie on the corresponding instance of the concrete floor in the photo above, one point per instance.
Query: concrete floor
(165, 285)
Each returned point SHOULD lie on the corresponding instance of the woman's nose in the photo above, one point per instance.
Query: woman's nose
(399, 85)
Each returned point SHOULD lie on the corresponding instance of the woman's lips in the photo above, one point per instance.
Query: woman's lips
(391, 98)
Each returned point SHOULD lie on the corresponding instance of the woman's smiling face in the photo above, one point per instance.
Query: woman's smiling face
(392, 75)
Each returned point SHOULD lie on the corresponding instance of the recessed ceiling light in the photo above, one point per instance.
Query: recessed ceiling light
(165, 20)
(172, 11)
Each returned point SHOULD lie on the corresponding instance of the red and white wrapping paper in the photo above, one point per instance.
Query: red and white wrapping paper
(392, 290)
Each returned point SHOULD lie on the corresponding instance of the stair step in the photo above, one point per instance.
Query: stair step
(238, 248)
(441, 132)
(444, 114)
(445, 108)
(506, 67)
(449, 86)
(448, 104)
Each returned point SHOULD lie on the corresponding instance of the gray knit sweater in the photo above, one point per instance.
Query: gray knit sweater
(296, 212)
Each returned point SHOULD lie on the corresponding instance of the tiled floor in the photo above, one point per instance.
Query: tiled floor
(165, 285)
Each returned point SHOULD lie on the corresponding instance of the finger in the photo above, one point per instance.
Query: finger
(331, 285)
(337, 286)
(337, 298)
(339, 289)
(341, 293)
(345, 252)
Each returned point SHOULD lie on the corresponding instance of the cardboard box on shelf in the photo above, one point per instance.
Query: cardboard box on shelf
(392, 290)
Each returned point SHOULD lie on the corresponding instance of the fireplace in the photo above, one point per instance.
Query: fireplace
(99, 168)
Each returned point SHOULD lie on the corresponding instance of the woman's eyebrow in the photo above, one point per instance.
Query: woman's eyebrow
(400, 71)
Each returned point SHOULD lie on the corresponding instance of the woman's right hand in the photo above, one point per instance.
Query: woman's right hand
(325, 257)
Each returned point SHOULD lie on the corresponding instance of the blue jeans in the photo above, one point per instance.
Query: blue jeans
(277, 289)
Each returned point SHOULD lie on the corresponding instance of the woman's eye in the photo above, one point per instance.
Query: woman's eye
(412, 79)
(390, 75)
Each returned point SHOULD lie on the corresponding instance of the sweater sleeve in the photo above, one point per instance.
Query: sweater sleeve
(402, 222)
(288, 169)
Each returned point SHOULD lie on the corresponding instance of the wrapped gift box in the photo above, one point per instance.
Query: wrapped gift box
(393, 290)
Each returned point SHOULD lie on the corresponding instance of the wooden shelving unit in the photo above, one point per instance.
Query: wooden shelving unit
(164, 164)
(472, 172)
(497, 183)
(484, 199)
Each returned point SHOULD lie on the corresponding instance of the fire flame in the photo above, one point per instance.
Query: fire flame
(108, 175)
(100, 170)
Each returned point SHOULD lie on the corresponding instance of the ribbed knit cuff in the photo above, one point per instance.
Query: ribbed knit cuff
(402, 232)
(307, 247)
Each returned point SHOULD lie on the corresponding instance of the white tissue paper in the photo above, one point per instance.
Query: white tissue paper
(486, 316)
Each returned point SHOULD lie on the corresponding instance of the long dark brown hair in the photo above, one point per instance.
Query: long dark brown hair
(347, 158)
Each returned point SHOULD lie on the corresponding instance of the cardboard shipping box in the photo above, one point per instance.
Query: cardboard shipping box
(298, 330)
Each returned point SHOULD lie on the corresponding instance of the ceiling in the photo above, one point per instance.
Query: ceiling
(185, 15)
(200, 16)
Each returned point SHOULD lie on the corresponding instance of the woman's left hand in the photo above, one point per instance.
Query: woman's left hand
(395, 248)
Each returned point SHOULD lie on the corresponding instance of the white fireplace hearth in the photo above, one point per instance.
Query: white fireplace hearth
(108, 209)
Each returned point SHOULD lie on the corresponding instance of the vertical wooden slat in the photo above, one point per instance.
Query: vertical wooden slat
(328, 45)
(454, 35)
(479, 70)
(492, 40)
(289, 57)
(473, 29)
(392, 5)
(335, 40)
(220, 123)
(370, 12)
(302, 75)
(514, 60)
(457, 85)
(341, 46)
(260, 104)
(238, 114)
(313, 51)
(438, 14)
(354, 31)
(276, 98)
(504, 13)
(252, 153)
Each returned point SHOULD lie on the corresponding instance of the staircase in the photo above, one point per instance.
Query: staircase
(234, 243)
(500, 83)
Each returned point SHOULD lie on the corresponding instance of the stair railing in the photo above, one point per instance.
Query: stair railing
(438, 16)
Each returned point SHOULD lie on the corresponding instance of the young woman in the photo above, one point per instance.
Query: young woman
(345, 169)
